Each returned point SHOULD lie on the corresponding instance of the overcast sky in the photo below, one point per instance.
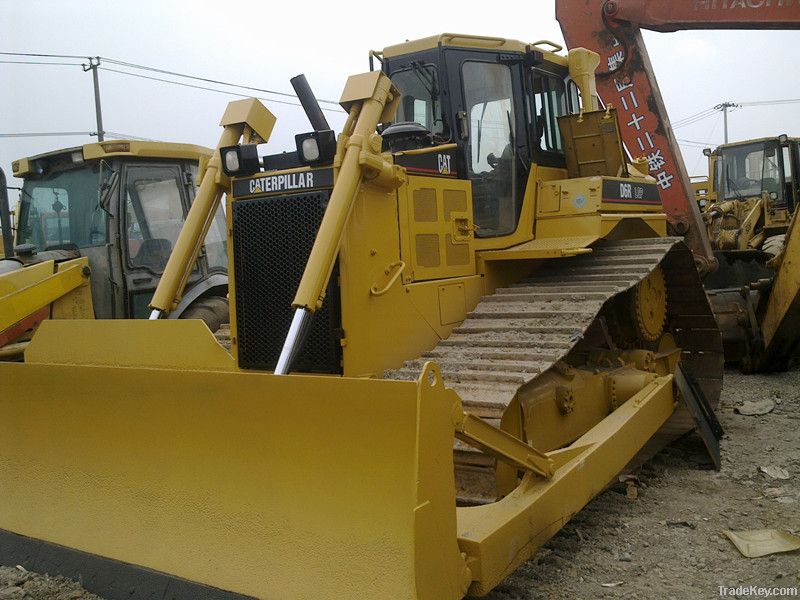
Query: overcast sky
(263, 44)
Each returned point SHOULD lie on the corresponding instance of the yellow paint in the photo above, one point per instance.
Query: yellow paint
(459, 40)
(312, 516)
(492, 535)
(117, 342)
(182, 259)
(24, 166)
(785, 294)
(27, 290)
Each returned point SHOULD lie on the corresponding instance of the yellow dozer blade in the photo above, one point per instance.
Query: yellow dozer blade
(152, 468)
(302, 487)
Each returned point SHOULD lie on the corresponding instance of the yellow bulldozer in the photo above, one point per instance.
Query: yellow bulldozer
(93, 230)
(451, 327)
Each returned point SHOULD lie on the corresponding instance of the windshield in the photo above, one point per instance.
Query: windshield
(61, 209)
(419, 85)
(748, 170)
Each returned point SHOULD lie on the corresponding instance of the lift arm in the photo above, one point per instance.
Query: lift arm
(612, 28)
(248, 118)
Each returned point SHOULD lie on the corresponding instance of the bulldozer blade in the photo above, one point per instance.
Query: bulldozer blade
(149, 472)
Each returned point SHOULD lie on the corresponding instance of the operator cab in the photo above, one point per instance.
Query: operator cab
(121, 204)
(496, 100)
(751, 169)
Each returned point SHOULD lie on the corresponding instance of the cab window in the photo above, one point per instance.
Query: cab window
(550, 102)
(61, 209)
(419, 86)
(491, 152)
(154, 215)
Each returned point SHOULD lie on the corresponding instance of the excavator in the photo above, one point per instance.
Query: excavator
(756, 303)
(452, 325)
(94, 228)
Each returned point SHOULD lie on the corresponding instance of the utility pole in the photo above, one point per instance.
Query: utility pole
(92, 66)
(724, 108)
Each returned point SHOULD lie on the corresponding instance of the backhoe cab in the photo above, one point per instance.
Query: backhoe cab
(121, 205)
(754, 190)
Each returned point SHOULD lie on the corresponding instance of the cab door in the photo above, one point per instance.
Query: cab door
(154, 204)
(491, 132)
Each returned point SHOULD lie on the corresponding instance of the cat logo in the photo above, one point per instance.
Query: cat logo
(444, 164)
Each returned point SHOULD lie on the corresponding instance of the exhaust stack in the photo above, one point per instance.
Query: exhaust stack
(309, 102)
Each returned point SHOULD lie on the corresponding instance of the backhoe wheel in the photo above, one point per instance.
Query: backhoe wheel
(649, 306)
(211, 309)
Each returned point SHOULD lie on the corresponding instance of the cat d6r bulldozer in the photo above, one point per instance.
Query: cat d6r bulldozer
(451, 327)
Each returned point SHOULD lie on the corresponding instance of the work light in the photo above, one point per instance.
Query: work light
(316, 147)
(240, 159)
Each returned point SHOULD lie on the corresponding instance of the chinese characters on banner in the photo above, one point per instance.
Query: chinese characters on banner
(642, 130)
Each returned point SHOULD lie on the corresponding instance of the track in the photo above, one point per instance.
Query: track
(519, 332)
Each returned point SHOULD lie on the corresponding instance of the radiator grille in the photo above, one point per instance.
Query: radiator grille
(272, 239)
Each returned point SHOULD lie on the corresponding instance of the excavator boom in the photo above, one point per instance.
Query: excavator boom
(626, 79)
(706, 14)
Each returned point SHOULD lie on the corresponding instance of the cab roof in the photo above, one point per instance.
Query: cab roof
(773, 138)
(461, 40)
(115, 148)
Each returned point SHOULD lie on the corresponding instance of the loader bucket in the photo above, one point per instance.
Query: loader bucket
(147, 470)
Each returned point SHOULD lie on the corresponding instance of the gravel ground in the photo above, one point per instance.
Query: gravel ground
(665, 543)
(668, 542)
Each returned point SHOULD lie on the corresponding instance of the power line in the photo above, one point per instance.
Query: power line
(701, 114)
(30, 62)
(692, 143)
(174, 74)
(694, 119)
(205, 79)
(208, 89)
(46, 134)
(43, 55)
(128, 136)
(771, 102)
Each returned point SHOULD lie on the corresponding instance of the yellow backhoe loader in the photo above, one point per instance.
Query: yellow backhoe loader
(749, 204)
(94, 227)
(451, 327)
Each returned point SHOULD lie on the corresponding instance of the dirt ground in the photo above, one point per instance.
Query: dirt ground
(667, 543)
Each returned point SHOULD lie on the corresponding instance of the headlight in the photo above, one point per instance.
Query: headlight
(316, 147)
(310, 150)
(231, 159)
(240, 160)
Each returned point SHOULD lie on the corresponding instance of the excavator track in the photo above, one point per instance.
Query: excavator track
(519, 332)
